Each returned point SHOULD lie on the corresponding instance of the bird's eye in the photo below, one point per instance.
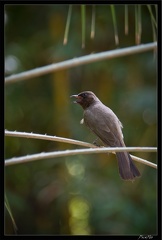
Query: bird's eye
(84, 95)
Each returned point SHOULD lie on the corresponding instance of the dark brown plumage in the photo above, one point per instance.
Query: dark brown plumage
(105, 124)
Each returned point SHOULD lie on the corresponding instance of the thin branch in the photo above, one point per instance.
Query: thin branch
(141, 160)
(47, 137)
(80, 61)
(71, 152)
(66, 153)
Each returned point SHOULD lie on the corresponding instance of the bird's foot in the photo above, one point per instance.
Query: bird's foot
(95, 142)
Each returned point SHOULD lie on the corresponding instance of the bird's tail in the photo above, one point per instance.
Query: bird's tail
(127, 169)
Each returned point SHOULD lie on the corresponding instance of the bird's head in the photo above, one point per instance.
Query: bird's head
(85, 99)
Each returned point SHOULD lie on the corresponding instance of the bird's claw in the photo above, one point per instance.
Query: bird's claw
(96, 143)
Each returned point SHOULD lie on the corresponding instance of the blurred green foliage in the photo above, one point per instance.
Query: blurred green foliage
(80, 194)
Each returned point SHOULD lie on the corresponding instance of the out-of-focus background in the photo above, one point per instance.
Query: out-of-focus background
(80, 194)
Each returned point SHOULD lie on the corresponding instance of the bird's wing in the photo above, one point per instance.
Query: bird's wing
(104, 123)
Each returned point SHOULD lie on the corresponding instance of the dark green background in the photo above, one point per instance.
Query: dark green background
(80, 194)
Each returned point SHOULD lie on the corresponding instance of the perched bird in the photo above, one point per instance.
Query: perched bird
(104, 123)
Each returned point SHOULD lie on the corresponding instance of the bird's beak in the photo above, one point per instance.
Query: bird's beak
(77, 98)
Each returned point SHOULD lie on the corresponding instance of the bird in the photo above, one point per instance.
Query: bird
(103, 122)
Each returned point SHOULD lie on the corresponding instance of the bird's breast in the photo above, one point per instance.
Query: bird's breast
(93, 117)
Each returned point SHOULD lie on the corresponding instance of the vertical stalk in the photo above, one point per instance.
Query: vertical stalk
(67, 25)
(93, 22)
(115, 24)
(83, 17)
(126, 20)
